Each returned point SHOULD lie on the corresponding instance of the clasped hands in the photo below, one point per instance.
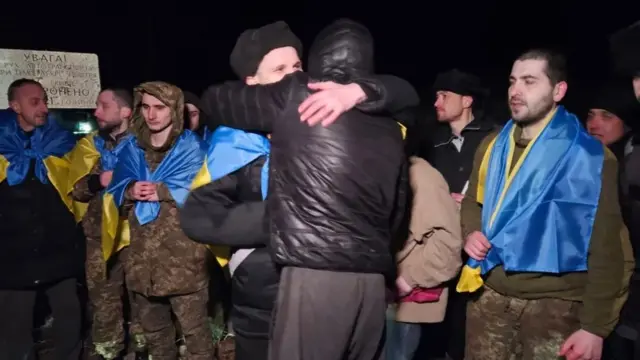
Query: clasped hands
(144, 191)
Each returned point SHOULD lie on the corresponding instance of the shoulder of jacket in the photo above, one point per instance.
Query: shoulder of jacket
(421, 169)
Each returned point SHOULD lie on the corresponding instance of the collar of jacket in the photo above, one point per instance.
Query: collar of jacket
(443, 134)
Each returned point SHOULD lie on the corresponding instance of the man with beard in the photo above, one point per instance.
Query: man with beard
(92, 163)
(41, 252)
(546, 239)
(335, 192)
(165, 270)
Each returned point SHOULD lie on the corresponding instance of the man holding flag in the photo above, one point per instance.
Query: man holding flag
(92, 163)
(543, 229)
(41, 252)
(165, 270)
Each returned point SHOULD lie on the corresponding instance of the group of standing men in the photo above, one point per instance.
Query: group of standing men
(129, 185)
(308, 196)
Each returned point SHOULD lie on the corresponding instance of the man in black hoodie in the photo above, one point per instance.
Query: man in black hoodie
(624, 343)
(334, 199)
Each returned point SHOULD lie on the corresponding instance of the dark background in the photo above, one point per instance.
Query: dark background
(188, 43)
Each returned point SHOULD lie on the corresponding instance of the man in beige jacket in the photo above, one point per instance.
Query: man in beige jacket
(431, 256)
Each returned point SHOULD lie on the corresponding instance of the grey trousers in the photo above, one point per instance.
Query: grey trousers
(327, 315)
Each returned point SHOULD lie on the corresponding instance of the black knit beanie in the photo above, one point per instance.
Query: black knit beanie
(253, 44)
(625, 50)
(191, 98)
(617, 98)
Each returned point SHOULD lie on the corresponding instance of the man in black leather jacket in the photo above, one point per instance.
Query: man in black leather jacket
(336, 194)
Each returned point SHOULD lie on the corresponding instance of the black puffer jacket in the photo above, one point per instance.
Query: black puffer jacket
(334, 192)
(230, 211)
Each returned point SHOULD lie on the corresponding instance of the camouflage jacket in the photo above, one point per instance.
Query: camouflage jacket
(162, 260)
(87, 190)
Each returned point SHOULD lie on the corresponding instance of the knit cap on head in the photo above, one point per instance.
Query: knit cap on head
(617, 97)
(253, 44)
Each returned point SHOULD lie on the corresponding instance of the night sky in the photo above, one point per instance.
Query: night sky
(188, 43)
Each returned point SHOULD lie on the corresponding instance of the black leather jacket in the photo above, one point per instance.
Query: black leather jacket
(337, 192)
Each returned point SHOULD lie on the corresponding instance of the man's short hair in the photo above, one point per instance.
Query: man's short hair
(123, 97)
(12, 92)
(556, 64)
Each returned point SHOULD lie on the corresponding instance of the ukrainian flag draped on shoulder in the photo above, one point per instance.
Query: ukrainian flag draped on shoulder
(87, 152)
(47, 146)
(176, 171)
(539, 216)
(229, 150)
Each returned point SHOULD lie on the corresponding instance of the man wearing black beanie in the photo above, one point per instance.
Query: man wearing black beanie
(624, 343)
(265, 55)
(611, 114)
(230, 211)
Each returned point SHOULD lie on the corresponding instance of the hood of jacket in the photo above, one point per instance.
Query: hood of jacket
(168, 94)
(341, 52)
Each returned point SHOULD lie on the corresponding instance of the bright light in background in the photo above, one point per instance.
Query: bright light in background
(84, 127)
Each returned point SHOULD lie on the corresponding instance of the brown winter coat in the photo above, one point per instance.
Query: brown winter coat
(162, 260)
(432, 254)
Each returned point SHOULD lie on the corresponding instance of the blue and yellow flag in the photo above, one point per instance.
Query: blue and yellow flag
(177, 171)
(228, 151)
(539, 216)
(84, 156)
(48, 146)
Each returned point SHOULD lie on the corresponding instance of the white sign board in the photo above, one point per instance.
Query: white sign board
(72, 80)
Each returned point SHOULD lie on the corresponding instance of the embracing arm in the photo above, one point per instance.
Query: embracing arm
(245, 107)
(387, 93)
(211, 215)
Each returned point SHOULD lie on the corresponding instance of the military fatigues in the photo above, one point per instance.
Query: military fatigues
(166, 271)
(105, 280)
(528, 315)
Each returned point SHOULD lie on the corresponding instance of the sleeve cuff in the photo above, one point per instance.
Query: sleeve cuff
(596, 330)
(94, 183)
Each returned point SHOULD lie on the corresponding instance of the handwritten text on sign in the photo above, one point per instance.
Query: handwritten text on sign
(72, 80)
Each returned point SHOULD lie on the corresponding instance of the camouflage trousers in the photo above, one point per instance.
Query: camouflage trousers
(505, 328)
(190, 311)
(106, 285)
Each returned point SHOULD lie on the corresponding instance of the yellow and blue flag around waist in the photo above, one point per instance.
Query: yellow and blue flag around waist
(48, 146)
(228, 151)
(539, 216)
(86, 154)
(177, 171)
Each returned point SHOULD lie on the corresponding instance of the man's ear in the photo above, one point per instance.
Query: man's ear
(559, 91)
(15, 106)
(125, 113)
(467, 101)
(251, 80)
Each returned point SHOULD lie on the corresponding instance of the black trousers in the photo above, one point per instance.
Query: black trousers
(16, 327)
(251, 348)
(326, 315)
